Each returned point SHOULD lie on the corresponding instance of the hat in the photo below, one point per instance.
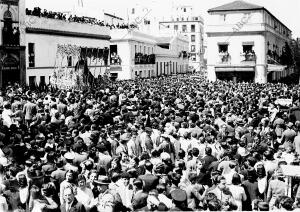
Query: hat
(102, 180)
(69, 156)
(290, 124)
(153, 200)
(125, 137)
(5, 162)
(240, 121)
(148, 129)
(125, 175)
(243, 152)
(137, 182)
(179, 195)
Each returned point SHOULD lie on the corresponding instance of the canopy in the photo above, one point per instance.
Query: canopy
(277, 68)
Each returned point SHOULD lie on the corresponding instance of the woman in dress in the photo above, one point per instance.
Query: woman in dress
(84, 194)
(38, 202)
(238, 192)
(262, 182)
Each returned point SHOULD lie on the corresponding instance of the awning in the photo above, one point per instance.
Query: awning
(235, 69)
(276, 68)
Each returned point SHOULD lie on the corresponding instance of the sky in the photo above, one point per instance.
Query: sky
(287, 11)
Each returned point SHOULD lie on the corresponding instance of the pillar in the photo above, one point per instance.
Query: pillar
(261, 60)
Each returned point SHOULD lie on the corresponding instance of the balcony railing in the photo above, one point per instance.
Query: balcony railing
(248, 57)
(224, 57)
(115, 60)
(144, 59)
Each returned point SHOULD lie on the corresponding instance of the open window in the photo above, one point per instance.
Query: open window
(248, 51)
(223, 52)
(223, 48)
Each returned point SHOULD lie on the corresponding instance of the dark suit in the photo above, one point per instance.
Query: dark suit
(75, 207)
(150, 180)
(139, 200)
(208, 159)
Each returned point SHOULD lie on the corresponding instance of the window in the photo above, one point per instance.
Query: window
(183, 28)
(31, 55)
(148, 50)
(175, 27)
(69, 59)
(132, 11)
(223, 48)
(247, 48)
(42, 80)
(177, 19)
(144, 49)
(135, 49)
(193, 57)
(223, 18)
(196, 18)
(184, 9)
(140, 49)
(32, 81)
(193, 38)
(192, 28)
(193, 48)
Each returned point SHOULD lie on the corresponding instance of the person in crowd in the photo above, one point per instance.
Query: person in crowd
(167, 143)
(70, 203)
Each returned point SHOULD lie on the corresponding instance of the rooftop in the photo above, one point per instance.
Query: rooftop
(163, 40)
(236, 5)
(242, 5)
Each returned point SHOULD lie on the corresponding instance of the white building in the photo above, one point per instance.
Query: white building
(45, 35)
(112, 19)
(184, 20)
(243, 40)
(136, 54)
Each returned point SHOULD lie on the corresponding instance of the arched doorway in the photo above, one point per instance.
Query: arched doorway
(10, 70)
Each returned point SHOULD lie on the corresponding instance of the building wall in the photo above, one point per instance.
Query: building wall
(235, 28)
(46, 40)
(112, 20)
(131, 42)
(46, 57)
(198, 53)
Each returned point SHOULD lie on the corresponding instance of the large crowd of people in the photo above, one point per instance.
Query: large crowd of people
(165, 144)
(78, 19)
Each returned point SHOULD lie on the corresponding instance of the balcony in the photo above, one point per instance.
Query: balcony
(11, 35)
(248, 58)
(115, 60)
(224, 58)
(144, 59)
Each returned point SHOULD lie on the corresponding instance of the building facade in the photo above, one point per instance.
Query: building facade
(134, 54)
(12, 43)
(245, 43)
(58, 44)
(112, 19)
(183, 21)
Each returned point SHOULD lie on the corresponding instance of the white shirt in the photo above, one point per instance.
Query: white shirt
(162, 198)
(6, 116)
